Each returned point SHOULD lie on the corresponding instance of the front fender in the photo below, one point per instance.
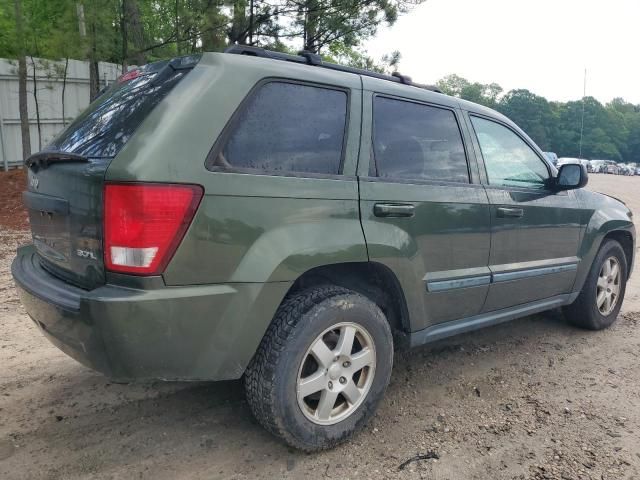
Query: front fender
(602, 215)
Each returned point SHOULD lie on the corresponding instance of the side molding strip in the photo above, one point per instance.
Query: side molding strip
(533, 272)
(441, 285)
(438, 286)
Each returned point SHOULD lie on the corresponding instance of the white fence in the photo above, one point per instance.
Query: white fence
(49, 84)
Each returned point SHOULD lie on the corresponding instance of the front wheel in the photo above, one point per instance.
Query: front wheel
(600, 300)
(321, 368)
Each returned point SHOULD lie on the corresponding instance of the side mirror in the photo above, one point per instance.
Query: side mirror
(571, 176)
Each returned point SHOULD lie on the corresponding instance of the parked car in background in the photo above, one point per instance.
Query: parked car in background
(587, 164)
(214, 217)
(597, 166)
(611, 167)
(624, 169)
(552, 157)
(566, 160)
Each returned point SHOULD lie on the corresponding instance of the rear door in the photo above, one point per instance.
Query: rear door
(424, 213)
(535, 231)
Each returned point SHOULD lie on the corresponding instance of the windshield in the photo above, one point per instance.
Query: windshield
(110, 121)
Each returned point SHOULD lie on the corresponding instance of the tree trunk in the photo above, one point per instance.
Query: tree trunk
(177, 27)
(94, 70)
(94, 75)
(135, 30)
(239, 28)
(35, 101)
(311, 19)
(64, 90)
(22, 84)
(125, 37)
(94, 80)
(213, 34)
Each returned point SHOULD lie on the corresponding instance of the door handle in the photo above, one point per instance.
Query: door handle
(504, 212)
(393, 210)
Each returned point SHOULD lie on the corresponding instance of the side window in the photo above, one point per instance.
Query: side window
(418, 142)
(288, 127)
(508, 159)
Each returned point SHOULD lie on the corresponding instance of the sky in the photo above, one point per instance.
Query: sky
(541, 45)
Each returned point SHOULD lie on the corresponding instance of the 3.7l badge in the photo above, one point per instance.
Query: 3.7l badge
(86, 254)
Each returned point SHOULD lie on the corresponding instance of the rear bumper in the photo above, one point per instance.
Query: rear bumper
(202, 332)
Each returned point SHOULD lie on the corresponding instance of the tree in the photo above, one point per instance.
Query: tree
(320, 23)
(132, 29)
(532, 113)
(484, 94)
(22, 80)
(610, 132)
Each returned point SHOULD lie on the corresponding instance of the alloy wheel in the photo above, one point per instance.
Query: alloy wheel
(336, 373)
(608, 286)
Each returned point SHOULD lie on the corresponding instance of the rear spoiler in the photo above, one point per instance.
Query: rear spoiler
(43, 159)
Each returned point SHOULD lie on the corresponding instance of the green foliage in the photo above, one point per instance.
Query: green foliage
(484, 94)
(321, 23)
(138, 31)
(611, 131)
(353, 57)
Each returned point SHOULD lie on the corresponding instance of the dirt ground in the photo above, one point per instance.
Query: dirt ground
(532, 399)
(13, 215)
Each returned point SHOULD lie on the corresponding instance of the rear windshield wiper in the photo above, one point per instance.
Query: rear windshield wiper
(42, 159)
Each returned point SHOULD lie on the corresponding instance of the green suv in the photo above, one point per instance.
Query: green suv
(273, 217)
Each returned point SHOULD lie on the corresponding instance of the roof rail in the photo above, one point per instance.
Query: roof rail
(309, 58)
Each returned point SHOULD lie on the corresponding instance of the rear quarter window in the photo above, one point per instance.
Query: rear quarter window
(287, 127)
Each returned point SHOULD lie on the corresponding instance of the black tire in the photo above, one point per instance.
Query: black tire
(271, 377)
(584, 311)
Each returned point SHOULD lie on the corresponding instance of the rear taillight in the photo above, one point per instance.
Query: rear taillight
(144, 224)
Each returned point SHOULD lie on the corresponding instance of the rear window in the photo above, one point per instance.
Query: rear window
(412, 141)
(112, 118)
(287, 127)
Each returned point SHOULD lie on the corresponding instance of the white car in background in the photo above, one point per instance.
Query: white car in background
(597, 166)
(565, 160)
(611, 167)
(625, 169)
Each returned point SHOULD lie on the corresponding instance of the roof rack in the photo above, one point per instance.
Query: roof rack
(309, 58)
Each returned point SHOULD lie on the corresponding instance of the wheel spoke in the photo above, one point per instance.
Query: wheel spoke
(607, 302)
(614, 272)
(351, 392)
(601, 298)
(602, 282)
(345, 343)
(322, 354)
(606, 268)
(312, 384)
(361, 359)
(326, 404)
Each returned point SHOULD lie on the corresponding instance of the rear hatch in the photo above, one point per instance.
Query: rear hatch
(64, 194)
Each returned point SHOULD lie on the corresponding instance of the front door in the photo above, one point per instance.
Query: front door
(535, 231)
(424, 214)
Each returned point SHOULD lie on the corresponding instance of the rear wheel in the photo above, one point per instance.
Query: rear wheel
(600, 300)
(321, 368)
